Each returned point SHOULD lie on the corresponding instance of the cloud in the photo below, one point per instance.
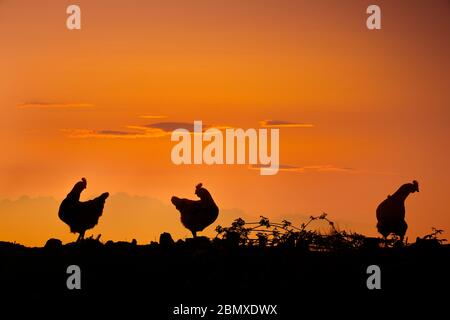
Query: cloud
(113, 134)
(171, 126)
(305, 169)
(283, 124)
(144, 116)
(153, 130)
(51, 105)
(31, 221)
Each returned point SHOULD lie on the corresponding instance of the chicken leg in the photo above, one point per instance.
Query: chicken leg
(80, 237)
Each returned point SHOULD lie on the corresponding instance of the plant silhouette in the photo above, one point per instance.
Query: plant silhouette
(265, 233)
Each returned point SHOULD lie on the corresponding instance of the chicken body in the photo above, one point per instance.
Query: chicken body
(391, 212)
(81, 216)
(196, 215)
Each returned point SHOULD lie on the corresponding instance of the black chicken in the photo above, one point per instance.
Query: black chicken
(81, 216)
(196, 215)
(391, 212)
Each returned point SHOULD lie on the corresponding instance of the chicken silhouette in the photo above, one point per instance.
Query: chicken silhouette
(81, 216)
(391, 212)
(196, 215)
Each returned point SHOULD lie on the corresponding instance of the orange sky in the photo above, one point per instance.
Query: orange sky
(378, 102)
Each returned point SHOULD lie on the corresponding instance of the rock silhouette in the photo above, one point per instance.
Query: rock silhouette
(391, 212)
(196, 215)
(81, 216)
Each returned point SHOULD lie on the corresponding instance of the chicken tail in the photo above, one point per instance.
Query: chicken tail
(175, 200)
(104, 196)
(178, 203)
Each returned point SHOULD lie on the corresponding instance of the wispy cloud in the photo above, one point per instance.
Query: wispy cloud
(305, 169)
(283, 124)
(171, 126)
(113, 134)
(17, 215)
(153, 130)
(144, 116)
(52, 105)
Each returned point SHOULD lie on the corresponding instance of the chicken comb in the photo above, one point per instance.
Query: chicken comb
(199, 186)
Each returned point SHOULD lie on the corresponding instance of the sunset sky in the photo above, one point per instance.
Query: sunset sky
(364, 111)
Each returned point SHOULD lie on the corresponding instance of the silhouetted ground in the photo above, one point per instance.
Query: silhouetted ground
(154, 278)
